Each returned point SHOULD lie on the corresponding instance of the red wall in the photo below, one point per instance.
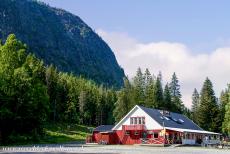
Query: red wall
(110, 138)
(119, 137)
(129, 139)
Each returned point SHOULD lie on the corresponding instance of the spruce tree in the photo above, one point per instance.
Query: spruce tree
(226, 123)
(125, 101)
(208, 112)
(224, 110)
(130, 93)
(147, 78)
(82, 105)
(51, 83)
(139, 84)
(167, 98)
(158, 100)
(149, 88)
(111, 98)
(195, 105)
(175, 93)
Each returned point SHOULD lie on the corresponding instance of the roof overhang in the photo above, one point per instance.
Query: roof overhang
(192, 131)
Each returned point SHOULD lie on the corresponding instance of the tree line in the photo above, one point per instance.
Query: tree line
(32, 94)
(208, 111)
(147, 90)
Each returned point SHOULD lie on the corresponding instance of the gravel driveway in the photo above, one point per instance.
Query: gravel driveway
(112, 149)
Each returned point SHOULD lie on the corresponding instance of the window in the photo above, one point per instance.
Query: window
(192, 136)
(143, 120)
(137, 120)
(155, 135)
(187, 136)
(131, 121)
(127, 132)
(182, 121)
(136, 133)
(184, 137)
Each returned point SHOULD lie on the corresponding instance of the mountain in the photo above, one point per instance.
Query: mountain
(60, 38)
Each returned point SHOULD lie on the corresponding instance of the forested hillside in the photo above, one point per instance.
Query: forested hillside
(60, 38)
(32, 95)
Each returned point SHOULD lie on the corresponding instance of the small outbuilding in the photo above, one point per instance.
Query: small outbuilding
(104, 135)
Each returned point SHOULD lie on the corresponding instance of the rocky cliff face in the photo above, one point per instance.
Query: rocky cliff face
(60, 38)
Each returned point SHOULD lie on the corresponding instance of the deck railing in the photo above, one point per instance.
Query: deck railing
(133, 127)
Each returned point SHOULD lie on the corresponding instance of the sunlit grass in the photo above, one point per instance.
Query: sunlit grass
(55, 133)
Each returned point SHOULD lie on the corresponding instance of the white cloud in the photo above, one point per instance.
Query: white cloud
(169, 57)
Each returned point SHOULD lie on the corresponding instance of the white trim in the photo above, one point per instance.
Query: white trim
(192, 131)
(150, 123)
(115, 127)
(170, 128)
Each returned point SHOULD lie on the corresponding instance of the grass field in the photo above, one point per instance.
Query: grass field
(54, 133)
(60, 133)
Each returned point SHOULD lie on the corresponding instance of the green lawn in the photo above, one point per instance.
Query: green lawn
(59, 133)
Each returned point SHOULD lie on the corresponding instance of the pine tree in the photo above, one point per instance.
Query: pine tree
(111, 99)
(82, 105)
(195, 105)
(125, 101)
(51, 83)
(224, 110)
(139, 84)
(175, 93)
(186, 111)
(149, 88)
(130, 93)
(158, 100)
(121, 106)
(147, 79)
(208, 112)
(167, 98)
(226, 123)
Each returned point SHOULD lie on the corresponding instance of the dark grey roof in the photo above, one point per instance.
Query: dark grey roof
(103, 128)
(173, 119)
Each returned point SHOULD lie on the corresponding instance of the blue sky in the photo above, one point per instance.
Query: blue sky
(189, 37)
(201, 24)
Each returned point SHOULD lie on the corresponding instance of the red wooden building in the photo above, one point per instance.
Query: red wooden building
(151, 126)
